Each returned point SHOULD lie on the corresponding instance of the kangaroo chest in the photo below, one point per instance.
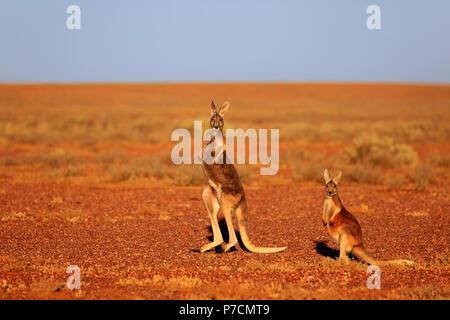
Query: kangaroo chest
(330, 213)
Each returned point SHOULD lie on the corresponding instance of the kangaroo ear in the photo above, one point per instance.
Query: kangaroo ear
(224, 108)
(213, 108)
(337, 177)
(326, 176)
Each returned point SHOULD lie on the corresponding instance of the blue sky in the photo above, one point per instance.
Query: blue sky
(234, 40)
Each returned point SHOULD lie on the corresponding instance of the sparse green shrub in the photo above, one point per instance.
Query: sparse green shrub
(423, 175)
(396, 182)
(64, 172)
(294, 156)
(438, 159)
(188, 175)
(54, 159)
(312, 171)
(131, 172)
(158, 167)
(120, 174)
(111, 157)
(363, 174)
(373, 150)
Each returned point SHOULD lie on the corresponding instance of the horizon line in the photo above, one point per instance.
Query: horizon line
(400, 83)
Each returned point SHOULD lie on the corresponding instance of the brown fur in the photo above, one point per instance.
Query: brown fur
(343, 226)
(225, 192)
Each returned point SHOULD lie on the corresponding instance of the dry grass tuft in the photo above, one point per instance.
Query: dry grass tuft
(161, 282)
(69, 215)
(426, 292)
(309, 172)
(417, 214)
(423, 175)
(373, 150)
(363, 174)
(438, 159)
(17, 216)
(396, 182)
(55, 159)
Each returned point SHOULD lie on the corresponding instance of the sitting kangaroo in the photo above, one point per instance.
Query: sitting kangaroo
(225, 192)
(343, 226)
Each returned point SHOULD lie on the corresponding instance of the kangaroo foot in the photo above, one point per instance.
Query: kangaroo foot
(344, 260)
(229, 246)
(210, 246)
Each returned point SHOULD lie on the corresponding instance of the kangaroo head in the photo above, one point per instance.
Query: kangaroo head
(216, 121)
(331, 184)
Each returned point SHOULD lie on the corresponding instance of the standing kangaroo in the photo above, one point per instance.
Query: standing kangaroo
(225, 192)
(343, 226)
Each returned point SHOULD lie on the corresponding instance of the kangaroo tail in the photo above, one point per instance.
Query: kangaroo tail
(241, 212)
(362, 253)
(399, 261)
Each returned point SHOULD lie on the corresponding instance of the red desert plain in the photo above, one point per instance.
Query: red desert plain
(87, 180)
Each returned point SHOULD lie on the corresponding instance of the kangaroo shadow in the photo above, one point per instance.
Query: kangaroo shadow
(226, 237)
(324, 250)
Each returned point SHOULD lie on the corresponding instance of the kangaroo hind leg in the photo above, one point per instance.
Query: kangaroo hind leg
(212, 206)
(228, 207)
(345, 247)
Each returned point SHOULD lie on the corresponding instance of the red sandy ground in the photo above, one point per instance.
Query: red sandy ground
(125, 253)
(142, 242)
